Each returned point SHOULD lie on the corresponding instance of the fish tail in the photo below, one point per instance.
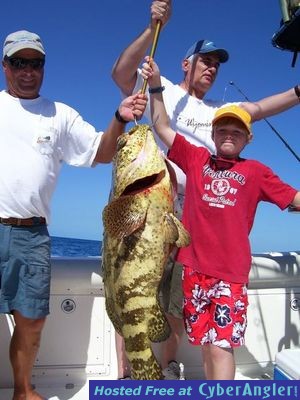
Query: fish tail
(148, 369)
(139, 352)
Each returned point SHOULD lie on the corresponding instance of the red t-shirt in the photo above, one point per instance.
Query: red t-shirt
(219, 209)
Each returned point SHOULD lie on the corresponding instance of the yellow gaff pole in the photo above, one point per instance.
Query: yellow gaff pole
(152, 52)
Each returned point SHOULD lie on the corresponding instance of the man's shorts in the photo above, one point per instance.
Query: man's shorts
(25, 270)
(171, 295)
(215, 311)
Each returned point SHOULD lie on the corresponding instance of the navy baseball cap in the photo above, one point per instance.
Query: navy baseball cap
(206, 46)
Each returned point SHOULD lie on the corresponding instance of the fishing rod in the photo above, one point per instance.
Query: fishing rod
(269, 124)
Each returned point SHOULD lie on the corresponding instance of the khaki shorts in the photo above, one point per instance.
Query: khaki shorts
(171, 294)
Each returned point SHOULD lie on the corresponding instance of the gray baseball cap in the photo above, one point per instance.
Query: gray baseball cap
(22, 40)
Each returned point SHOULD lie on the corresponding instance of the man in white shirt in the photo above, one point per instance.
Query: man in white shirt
(37, 136)
(191, 115)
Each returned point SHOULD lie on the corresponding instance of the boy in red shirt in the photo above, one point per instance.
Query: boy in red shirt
(222, 194)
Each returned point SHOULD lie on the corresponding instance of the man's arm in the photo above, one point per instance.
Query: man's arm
(159, 116)
(124, 70)
(131, 108)
(296, 201)
(272, 105)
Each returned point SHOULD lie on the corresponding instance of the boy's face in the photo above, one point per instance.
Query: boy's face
(230, 137)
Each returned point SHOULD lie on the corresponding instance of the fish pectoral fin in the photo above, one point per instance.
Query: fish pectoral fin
(176, 232)
(124, 216)
(170, 229)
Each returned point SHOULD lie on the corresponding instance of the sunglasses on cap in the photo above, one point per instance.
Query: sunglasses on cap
(22, 63)
(219, 163)
(294, 209)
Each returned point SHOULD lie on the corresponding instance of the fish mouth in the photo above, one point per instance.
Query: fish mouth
(143, 184)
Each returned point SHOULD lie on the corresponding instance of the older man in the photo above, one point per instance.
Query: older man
(191, 114)
(37, 135)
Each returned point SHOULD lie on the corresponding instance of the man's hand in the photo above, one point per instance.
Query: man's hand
(133, 107)
(160, 11)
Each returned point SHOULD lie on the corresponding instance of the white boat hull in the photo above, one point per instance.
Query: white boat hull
(78, 338)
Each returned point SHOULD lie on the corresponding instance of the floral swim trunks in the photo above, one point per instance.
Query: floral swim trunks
(215, 311)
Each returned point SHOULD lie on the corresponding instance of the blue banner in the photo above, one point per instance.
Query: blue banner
(194, 390)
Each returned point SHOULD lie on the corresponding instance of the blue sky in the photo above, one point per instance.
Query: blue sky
(84, 38)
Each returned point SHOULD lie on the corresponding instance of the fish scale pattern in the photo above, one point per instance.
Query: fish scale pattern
(140, 230)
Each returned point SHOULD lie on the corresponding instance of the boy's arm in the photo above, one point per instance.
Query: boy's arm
(296, 201)
(159, 117)
(124, 70)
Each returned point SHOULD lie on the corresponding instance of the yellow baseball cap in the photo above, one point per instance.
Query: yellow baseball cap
(234, 111)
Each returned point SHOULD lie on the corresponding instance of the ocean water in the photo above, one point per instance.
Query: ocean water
(69, 247)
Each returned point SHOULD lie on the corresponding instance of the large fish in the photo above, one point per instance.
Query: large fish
(140, 230)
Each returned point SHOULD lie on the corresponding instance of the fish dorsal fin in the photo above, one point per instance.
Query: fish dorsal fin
(124, 215)
(175, 232)
(173, 178)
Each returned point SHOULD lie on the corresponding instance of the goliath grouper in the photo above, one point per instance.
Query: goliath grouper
(140, 230)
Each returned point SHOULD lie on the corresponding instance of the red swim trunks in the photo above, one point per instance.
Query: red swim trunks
(215, 311)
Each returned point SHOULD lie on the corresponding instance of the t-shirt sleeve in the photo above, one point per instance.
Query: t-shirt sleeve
(275, 191)
(184, 153)
(81, 141)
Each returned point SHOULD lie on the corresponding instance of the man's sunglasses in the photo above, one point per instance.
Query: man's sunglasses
(22, 63)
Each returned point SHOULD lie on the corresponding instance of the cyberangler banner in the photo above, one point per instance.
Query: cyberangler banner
(194, 390)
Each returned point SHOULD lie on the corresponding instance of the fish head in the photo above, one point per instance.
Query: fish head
(138, 163)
